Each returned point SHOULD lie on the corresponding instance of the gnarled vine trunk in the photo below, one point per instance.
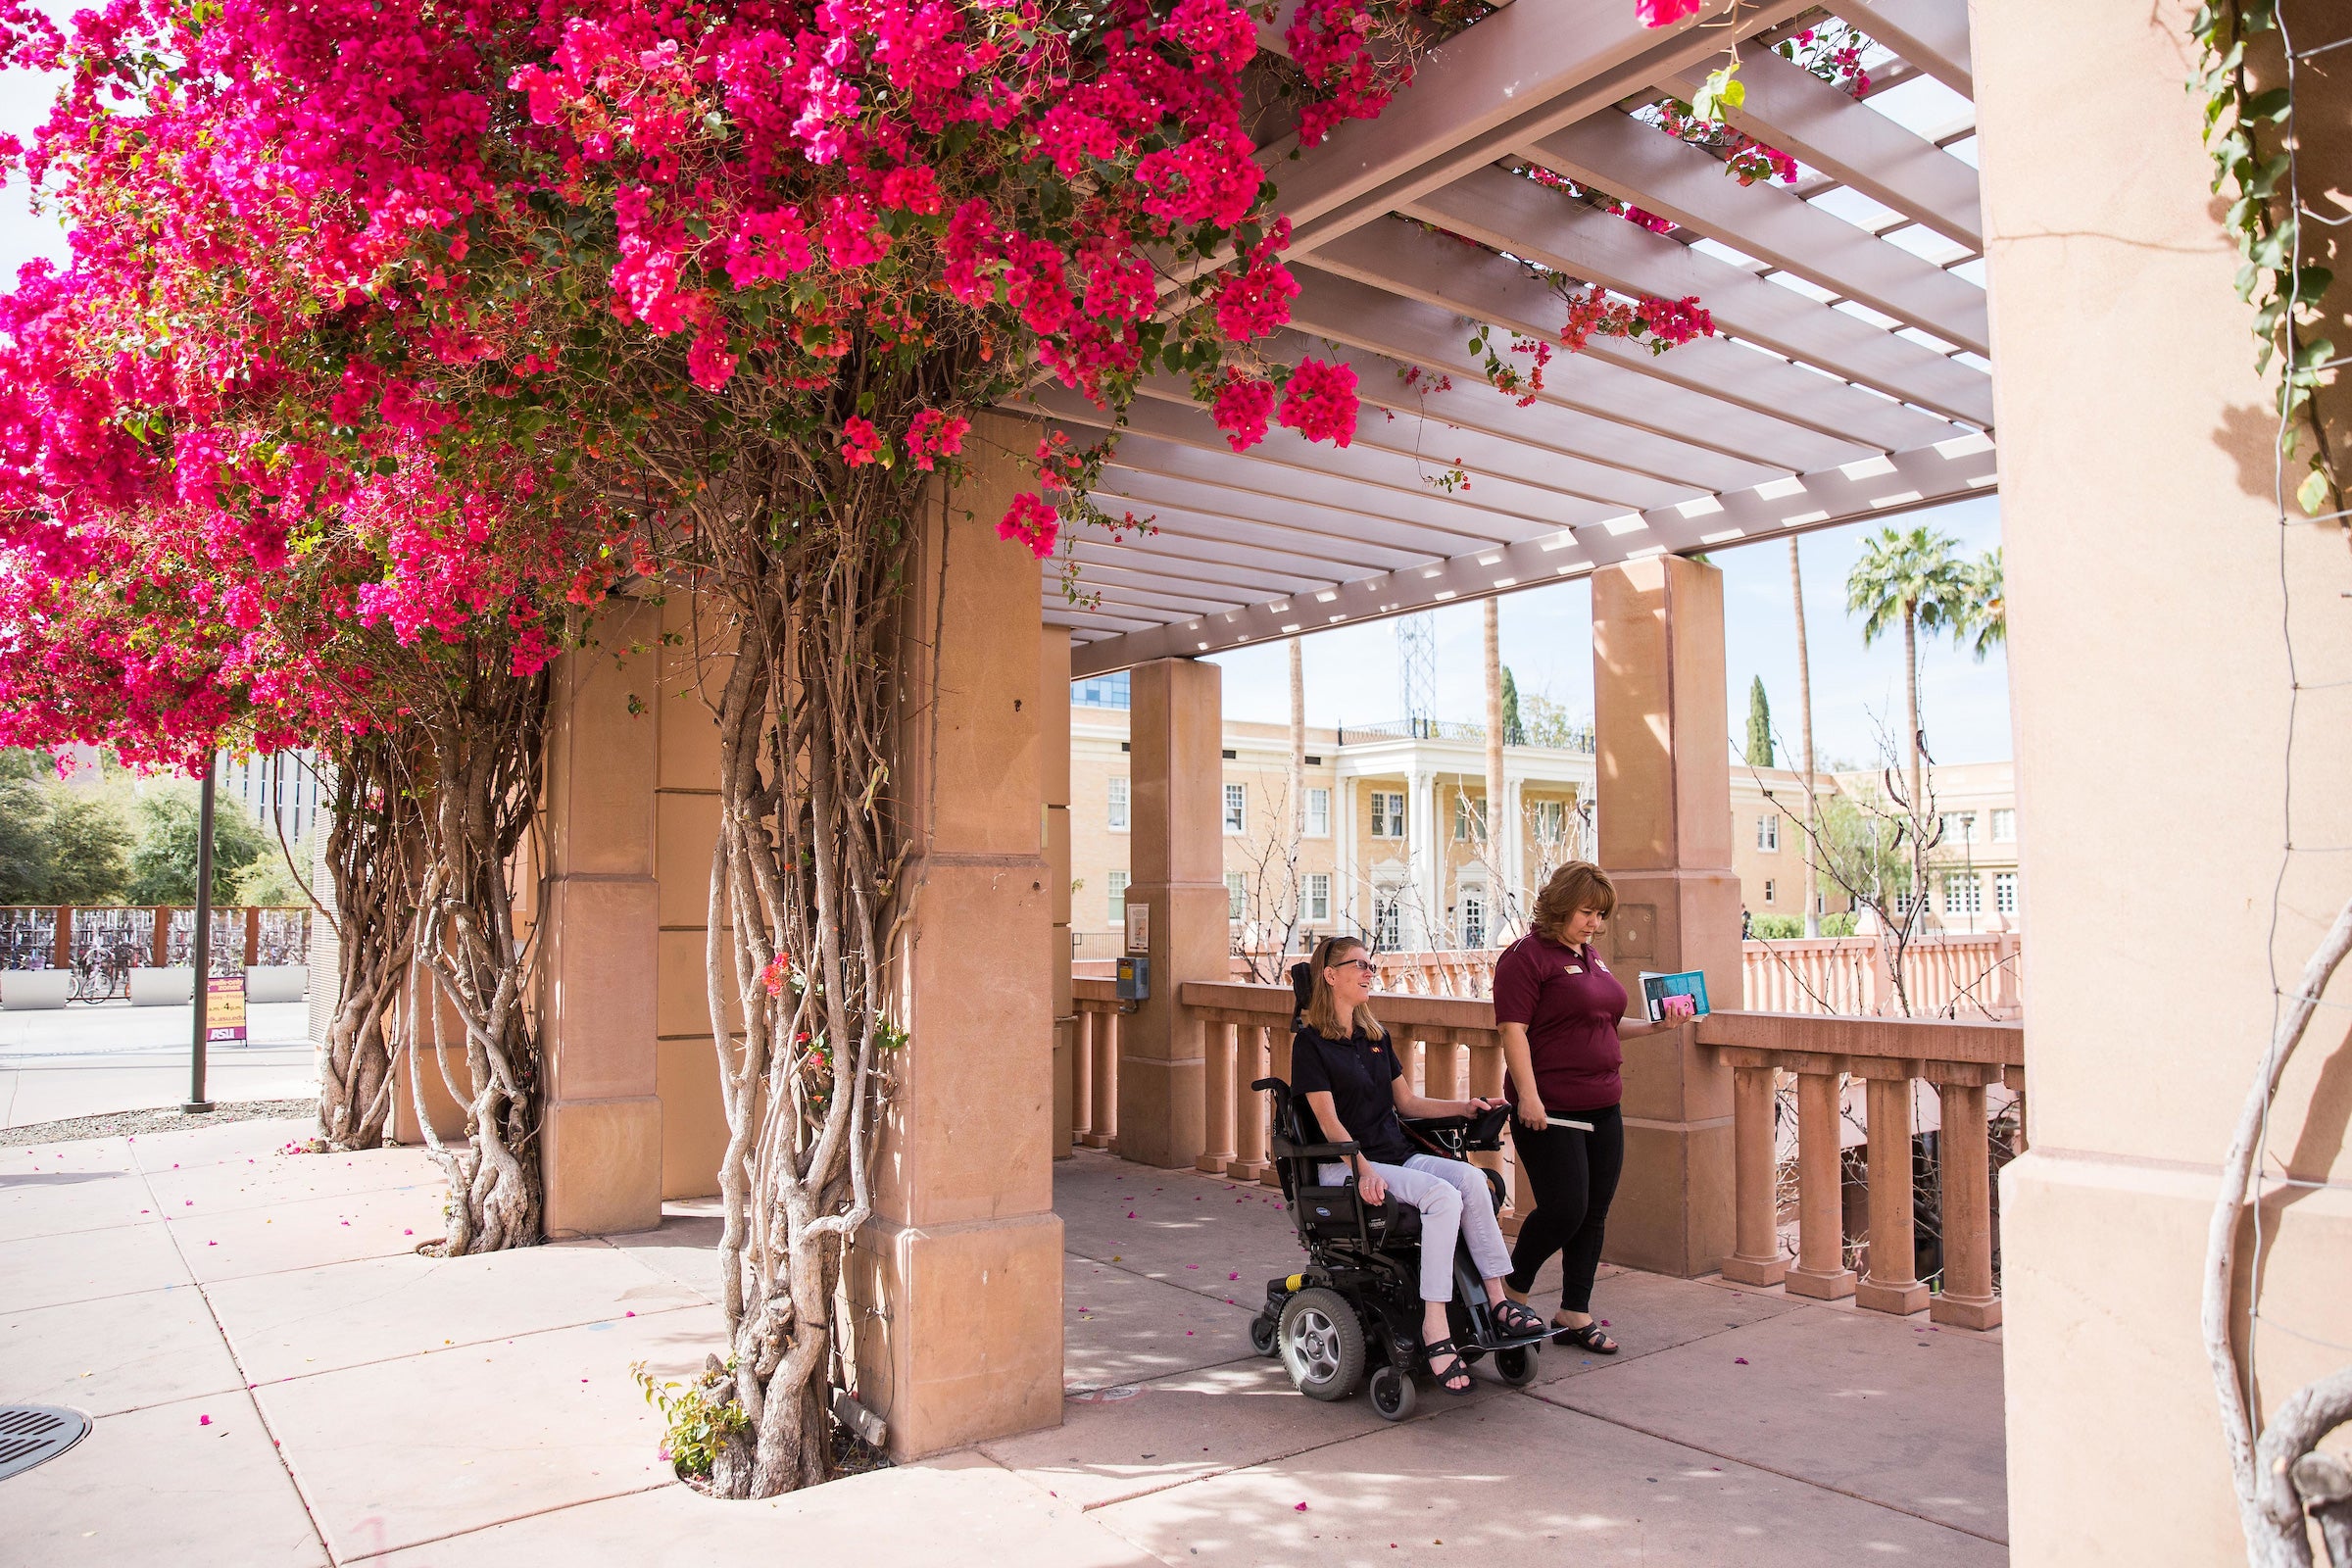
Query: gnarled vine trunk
(374, 854)
(473, 965)
(804, 906)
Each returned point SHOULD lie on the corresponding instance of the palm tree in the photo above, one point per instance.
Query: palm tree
(1491, 819)
(1804, 711)
(1985, 626)
(1911, 578)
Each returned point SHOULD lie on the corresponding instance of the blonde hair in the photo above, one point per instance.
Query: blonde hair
(1322, 1007)
(1578, 885)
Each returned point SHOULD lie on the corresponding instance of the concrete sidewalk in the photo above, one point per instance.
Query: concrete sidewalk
(278, 1378)
(88, 1060)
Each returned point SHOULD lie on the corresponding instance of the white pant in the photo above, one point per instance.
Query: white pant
(1454, 1197)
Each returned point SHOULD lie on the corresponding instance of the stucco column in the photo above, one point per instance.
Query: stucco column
(1513, 828)
(601, 1129)
(955, 1281)
(1177, 850)
(1054, 714)
(1344, 916)
(2150, 587)
(1427, 858)
(1665, 796)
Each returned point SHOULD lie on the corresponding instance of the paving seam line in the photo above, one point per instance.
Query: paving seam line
(500, 1524)
(471, 1344)
(277, 1446)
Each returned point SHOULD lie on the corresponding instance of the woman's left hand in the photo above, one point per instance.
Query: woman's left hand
(1477, 1105)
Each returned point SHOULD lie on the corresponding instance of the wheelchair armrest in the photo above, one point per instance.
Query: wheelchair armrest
(1269, 1083)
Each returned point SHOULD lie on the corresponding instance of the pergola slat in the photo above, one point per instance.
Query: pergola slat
(1503, 507)
(1437, 445)
(1501, 209)
(1785, 415)
(1415, 332)
(1632, 161)
(1519, 74)
(1326, 553)
(1882, 486)
(1931, 34)
(1796, 111)
(1173, 557)
(1241, 488)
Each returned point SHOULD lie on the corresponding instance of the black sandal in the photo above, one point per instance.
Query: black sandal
(1515, 1322)
(1588, 1338)
(1445, 1376)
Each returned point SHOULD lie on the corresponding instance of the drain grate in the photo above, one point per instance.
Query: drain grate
(31, 1433)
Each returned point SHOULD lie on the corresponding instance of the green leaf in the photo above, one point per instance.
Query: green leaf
(2312, 496)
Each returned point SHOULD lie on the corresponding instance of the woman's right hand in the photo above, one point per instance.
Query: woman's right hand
(1530, 1114)
(1368, 1183)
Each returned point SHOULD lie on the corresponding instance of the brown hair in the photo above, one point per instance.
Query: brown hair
(1578, 885)
(1322, 1007)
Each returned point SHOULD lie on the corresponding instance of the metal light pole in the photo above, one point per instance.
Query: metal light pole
(203, 955)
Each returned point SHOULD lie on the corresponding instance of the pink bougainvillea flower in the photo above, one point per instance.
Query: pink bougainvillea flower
(1319, 403)
(1663, 13)
(1034, 523)
(860, 442)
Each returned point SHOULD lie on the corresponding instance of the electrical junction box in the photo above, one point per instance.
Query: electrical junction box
(1135, 979)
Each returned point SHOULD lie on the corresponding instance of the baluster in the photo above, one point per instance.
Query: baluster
(1821, 1270)
(1891, 1282)
(1965, 1171)
(1102, 1046)
(1082, 1077)
(1443, 1073)
(1755, 1189)
(1252, 1108)
(1217, 1088)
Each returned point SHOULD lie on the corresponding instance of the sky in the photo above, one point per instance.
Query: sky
(1353, 675)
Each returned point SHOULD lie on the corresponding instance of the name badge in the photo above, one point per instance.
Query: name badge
(1574, 968)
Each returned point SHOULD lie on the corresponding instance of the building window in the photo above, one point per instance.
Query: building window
(1474, 920)
(1461, 818)
(1768, 832)
(1318, 814)
(1958, 825)
(1318, 897)
(1900, 902)
(2004, 825)
(1768, 889)
(1388, 921)
(1961, 891)
(1237, 895)
(1388, 814)
(1551, 821)
(1118, 804)
(1235, 804)
(1100, 691)
(2004, 888)
(1117, 902)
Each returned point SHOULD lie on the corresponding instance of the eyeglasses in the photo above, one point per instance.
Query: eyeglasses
(1365, 964)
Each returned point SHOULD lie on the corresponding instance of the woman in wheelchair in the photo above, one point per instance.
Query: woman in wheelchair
(1343, 1065)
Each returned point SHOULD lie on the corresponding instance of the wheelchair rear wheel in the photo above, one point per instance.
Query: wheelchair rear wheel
(1322, 1343)
(1392, 1393)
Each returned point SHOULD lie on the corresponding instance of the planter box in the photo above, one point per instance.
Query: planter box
(277, 982)
(21, 990)
(162, 988)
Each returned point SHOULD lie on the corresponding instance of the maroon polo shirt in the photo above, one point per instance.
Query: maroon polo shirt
(1570, 1003)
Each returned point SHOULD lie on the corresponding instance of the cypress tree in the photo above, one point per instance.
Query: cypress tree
(1759, 726)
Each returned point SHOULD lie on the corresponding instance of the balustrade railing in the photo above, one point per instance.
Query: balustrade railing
(1945, 974)
(1961, 1061)
(1095, 1095)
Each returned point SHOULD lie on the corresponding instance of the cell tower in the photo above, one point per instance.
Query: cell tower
(1417, 666)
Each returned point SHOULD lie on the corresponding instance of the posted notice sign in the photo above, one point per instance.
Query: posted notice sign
(225, 1009)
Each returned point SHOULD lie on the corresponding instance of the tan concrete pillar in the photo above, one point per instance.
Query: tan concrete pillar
(1665, 819)
(1054, 717)
(2151, 599)
(1177, 848)
(602, 1132)
(955, 1281)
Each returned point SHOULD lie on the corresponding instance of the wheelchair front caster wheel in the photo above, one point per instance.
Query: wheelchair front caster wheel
(1393, 1394)
(1516, 1367)
(1322, 1343)
(1263, 1330)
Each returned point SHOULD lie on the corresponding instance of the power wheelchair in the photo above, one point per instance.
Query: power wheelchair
(1357, 1303)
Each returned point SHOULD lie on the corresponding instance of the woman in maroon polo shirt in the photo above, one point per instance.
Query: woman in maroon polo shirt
(1561, 1014)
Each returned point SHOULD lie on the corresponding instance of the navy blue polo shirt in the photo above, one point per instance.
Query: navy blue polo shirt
(1357, 1073)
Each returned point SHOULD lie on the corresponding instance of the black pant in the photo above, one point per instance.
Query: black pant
(1573, 1175)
